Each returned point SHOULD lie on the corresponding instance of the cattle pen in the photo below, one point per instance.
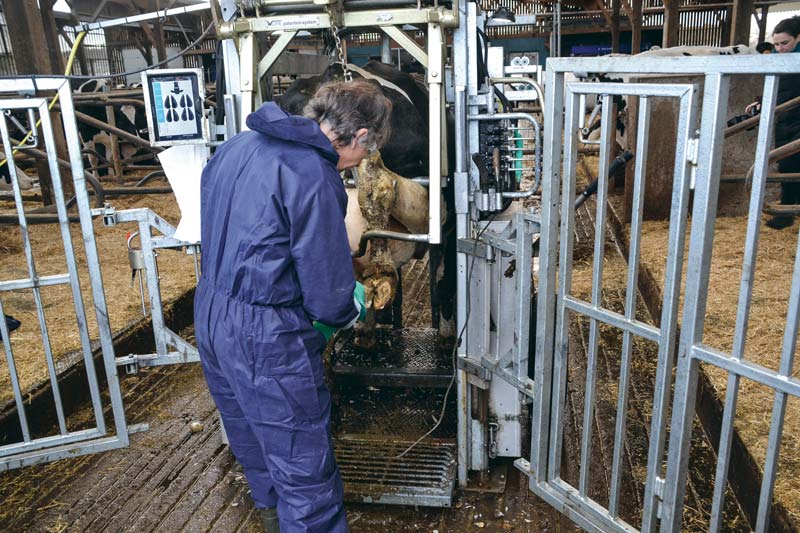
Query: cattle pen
(579, 316)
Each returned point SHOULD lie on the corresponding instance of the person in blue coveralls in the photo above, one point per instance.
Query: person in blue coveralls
(277, 280)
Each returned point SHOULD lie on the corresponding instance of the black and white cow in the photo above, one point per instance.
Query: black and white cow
(405, 153)
(126, 117)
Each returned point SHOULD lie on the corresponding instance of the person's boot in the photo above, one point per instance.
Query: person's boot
(269, 519)
(780, 222)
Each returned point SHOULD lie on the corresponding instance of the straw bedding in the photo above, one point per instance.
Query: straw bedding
(175, 268)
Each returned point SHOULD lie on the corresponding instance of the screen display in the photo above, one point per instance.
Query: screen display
(175, 107)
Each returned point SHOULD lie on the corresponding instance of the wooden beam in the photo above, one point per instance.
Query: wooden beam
(602, 8)
(671, 22)
(31, 57)
(636, 27)
(740, 22)
(51, 35)
(615, 8)
(762, 24)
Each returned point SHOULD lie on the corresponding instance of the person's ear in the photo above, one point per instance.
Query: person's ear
(360, 134)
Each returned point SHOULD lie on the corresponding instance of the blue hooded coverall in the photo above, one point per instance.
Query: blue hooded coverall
(276, 258)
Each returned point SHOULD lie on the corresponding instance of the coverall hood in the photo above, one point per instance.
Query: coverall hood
(271, 120)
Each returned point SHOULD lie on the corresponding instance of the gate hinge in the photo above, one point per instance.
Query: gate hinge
(658, 491)
(693, 156)
(693, 150)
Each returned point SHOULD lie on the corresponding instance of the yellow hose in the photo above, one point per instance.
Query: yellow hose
(67, 70)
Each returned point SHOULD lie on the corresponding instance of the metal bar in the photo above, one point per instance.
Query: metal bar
(461, 186)
(745, 294)
(247, 45)
(631, 292)
(169, 358)
(407, 43)
(779, 406)
(629, 325)
(93, 261)
(41, 104)
(386, 234)
(153, 286)
(45, 442)
(435, 81)
(386, 50)
(523, 294)
(43, 281)
(275, 50)
(561, 344)
(545, 308)
(590, 508)
(72, 267)
(629, 89)
(672, 287)
(747, 369)
(409, 377)
(44, 456)
(597, 295)
(718, 65)
(712, 123)
(12, 368)
(350, 19)
(140, 18)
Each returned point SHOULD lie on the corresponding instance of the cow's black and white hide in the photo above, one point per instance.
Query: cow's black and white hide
(674, 51)
(689, 51)
(129, 118)
(405, 152)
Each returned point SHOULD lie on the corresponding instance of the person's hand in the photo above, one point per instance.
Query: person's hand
(753, 108)
(326, 330)
(359, 296)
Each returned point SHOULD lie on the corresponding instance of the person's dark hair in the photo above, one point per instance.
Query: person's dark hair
(765, 47)
(350, 106)
(790, 26)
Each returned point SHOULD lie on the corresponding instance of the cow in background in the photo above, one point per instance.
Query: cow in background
(98, 142)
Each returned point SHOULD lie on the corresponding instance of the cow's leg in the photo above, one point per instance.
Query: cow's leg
(376, 197)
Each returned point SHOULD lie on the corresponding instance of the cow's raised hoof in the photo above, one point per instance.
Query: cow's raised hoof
(379, 292)
(780, 222)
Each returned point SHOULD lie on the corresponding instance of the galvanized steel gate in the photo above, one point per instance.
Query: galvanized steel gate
(66, 441)
(697, 166)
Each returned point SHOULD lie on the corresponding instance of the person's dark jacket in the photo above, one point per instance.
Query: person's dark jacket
(787, 125)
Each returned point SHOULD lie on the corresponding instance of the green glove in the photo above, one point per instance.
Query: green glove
(326, 330)
(359, 296)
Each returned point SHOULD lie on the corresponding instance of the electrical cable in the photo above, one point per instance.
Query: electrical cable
(455, 350)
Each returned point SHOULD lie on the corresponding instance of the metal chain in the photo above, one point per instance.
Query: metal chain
(348, 76)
